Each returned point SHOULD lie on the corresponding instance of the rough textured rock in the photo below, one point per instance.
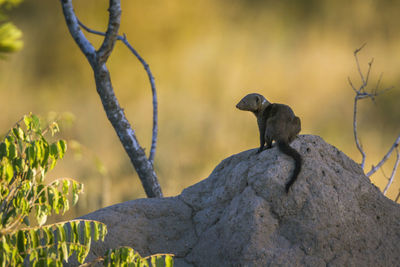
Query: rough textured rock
(241, 216)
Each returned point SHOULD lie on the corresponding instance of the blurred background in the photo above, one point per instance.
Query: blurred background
(205, 56)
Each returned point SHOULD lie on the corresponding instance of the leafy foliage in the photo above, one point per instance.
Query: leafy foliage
(126, 256)
(10, 35)
(50, 245)
(25, 158)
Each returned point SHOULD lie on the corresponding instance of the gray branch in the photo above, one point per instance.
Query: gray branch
(76, 33)
(361, 93)
(397, 197)
(152, 84)
(115, 113)
(112, 31)
(396, 164)
(385, 158)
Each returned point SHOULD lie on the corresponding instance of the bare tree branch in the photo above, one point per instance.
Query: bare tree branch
(115, 113)
(397, 197)
(385, 158)
(396, 164)
(358, 65)
(358, 144)
(112, 31)
(152, 83)
(76, 33)
(361, 93)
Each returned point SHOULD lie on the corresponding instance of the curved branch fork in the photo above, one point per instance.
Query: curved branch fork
(362, 93)
(115, 113)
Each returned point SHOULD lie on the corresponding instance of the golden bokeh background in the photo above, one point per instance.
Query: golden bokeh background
(205, 55)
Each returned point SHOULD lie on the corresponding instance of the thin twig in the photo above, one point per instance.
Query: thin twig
(396, 164)
(359, 95)
(384, 159)
(358, 144)
(358, 64)
(397, 197)
(152, 83)
(369, 70)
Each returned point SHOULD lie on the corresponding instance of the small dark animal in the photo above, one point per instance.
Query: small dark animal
(276, 122)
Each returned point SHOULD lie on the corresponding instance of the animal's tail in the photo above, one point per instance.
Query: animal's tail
(291, 152)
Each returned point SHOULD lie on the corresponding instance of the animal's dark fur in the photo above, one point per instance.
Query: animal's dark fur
(276, 122)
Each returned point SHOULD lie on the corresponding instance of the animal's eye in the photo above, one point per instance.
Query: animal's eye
(257, 100)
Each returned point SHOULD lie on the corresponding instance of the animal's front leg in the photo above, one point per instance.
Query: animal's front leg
(269, 143)
(262, 142)
(261, 128)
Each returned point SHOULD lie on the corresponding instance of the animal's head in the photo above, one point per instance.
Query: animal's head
(252, 102)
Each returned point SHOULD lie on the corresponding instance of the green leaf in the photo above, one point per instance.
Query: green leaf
(103, 231)
(65, 186)
(54, 150)
(96, 232)
(36, 124)
(74, 231)
(4, 191)
(28, 121)
(18, 133)
(9, 172)
(49, 235)
(169, 261)
(88, 232)
(21, 240)
(12, 151)
(10, 38)
(5, 244)
(30, 154)
(46, 154)
(76, 189)
(34, 238)
(65, 204)
(19, 165)
(62, 236)
(41, 215)
(53, 163)
(39, 151)
(62, 148)
(53, 197)
(3, 150)
(64, 249)
(81, 254)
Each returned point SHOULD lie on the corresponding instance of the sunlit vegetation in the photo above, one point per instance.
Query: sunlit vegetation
(26, 156)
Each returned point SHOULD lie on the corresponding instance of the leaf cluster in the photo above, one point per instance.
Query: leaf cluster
(50, 245)
(126, 256)
(10, 35)
(25, 158)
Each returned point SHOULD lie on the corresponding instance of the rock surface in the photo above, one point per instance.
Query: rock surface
(241, 216)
